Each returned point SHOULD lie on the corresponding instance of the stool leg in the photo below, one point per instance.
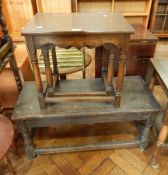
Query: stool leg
(15, 70)
(119, 81)
(9, 165)
(160, 142)
(152, 83)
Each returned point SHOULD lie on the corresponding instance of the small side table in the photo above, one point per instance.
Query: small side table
(159, 72)
(6, 138)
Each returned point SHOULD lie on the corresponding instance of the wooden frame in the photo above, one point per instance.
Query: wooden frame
(48, 41)
(87, 113)
(158, 72)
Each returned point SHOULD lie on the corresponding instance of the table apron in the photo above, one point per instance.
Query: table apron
(52, 121)
(79, 41)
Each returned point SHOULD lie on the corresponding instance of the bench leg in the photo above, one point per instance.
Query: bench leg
(27, 140)
(146, 132)
(160, 142)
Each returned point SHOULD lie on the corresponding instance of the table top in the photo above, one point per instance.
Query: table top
(135, 98)
(77, 23)
(6, 135)
(161, 67)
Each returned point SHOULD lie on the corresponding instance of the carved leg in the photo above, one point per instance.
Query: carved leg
(119, 83)
(160, 142)
(27, 141)
(146, 131)
(149, 73)
(36, 70)
(9, 165)
(55, 67)
(16, 72)
(49, 77)
(110, 71)
(108, 77)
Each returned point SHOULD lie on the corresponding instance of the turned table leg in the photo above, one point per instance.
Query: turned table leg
(160, 142)
(27, 140)
(15, 70)
(146, 131)
(36, 70)
(119, 82)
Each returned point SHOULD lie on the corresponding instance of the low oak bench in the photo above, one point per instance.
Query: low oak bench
(137, 104)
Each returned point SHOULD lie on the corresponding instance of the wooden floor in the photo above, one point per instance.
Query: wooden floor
(109, 162)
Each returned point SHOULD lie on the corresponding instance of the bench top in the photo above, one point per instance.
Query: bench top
(135, 98)
(161, 67)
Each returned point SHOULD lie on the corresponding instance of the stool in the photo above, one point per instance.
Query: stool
(6, 138)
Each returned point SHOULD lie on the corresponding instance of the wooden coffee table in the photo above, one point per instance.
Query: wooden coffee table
(137, 104)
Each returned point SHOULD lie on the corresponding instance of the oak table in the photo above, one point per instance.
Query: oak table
(137, 104)
(159, 71)
(45, 31)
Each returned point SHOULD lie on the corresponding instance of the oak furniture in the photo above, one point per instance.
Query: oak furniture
(136, 14)
(77, 30)
(159, 72)
(142, 47)
(6, 138)
(159, 18)
(135, 94)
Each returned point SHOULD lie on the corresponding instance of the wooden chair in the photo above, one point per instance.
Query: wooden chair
(7, 51)
(159, 71)
(6, 138)
(69, 61)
